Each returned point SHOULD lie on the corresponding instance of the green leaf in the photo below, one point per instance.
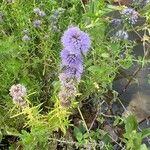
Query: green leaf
(8, 45)
(94, 69)
(130, 124)
(145, 132)
(143, 147)
(78, 134)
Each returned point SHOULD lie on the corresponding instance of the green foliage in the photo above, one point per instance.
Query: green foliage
(132, 137)
(58, 119)
(35, 63)
(81, 135)
(36, 139)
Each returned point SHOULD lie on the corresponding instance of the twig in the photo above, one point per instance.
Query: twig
(122, 104)
(115, 141)
(108, 116)
(75, 143)
(130, 80)
(83, 5)
(83, 120)
(63, 141)
(85, 126)
(93, 121)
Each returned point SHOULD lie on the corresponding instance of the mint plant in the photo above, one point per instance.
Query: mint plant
(58, 64)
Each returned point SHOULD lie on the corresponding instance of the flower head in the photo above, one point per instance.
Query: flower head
(65, 100)
(130, 15)
(72, 72)
(70, 58)
(17, 91)
(25, 38)
(39, 12)
(77, 40)
(37, 23)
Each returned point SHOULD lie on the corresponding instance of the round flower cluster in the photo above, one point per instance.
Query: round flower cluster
(39, 12)
(26, 36)
(76, 41)
(76, 44)
(130, 15)
(37, 23)
(18, 92)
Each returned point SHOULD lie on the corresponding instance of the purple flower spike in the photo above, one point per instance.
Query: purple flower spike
(75, 43)
(77, 40)
(70, 59)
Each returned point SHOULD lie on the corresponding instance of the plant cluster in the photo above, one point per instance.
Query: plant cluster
(58, 61)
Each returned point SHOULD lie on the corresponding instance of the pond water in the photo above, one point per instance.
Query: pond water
(133, 88)
(133, 84)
